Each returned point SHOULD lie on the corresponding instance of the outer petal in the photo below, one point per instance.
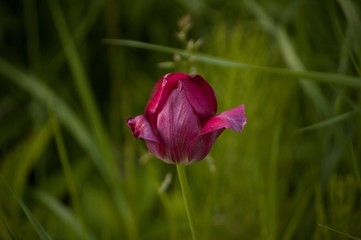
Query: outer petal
(160, 94)
(142, 129)
(234, 119)
(177, 126)
(202, 144)
(161, 91)
(201, 96)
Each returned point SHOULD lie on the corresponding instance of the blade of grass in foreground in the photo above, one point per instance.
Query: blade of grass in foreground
(355, 166)
(34, 222)
(289, 54)
(65, 114)
(339, 232)
(85, 25)
(81, 82)
(87, 98)
(329, 78)
(68, 173)
(328, 122)
(37, 226)
(64, 214)
(20, 167)
(6, 231)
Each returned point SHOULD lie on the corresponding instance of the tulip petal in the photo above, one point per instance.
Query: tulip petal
(162, 89)
(177, 125)
(160, 94)
(202, 144)
(234, 119)
(142, 129)
(201, 96)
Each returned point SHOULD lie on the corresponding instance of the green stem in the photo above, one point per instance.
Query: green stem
(186, 196)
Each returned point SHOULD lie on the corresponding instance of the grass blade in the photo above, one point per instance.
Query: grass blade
(64, 214)
(85, 93)
(294, 62)
(6, 231)
(64, 113)
(329, 78)
(34, 222)
(355, 166)
(18, 164)
(81, 31)
(112, 175)
(328, 122)
(289, 54)
(37, 226)
(68, 173)
(339, 232)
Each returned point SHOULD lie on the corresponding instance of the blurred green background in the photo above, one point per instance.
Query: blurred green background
(71, 169)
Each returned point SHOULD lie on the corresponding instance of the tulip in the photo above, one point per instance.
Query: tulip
(180, 123)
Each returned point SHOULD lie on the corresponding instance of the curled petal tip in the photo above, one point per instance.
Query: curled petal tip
(234, 119)
(141, 128)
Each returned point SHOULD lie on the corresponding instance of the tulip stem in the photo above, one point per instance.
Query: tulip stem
(186, 196)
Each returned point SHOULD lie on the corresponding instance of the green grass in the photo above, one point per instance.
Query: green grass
(71, 74)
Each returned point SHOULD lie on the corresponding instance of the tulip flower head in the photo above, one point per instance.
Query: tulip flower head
(180, 123)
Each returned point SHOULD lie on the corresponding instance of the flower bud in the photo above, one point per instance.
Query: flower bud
(180, 123)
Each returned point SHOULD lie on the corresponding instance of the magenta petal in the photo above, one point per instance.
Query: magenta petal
(202, 144)
(162, 89)
(201, 96)
(234, 119)
(142, 129)
(177, 126)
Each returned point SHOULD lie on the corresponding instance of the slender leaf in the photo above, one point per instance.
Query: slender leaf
(339, 232)
(355, 166)
(6, 231)
(94, 10)
(64, 213)
(329, 78)
(17, 165)
(329, 121)
(37, 226)
(34, 222)
(65, 114)
(289, 54)
(68, 172)
(112, 175)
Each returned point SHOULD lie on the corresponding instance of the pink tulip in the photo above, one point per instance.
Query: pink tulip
(180, 123)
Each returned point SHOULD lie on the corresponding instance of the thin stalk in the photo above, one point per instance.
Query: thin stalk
(182, 176)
